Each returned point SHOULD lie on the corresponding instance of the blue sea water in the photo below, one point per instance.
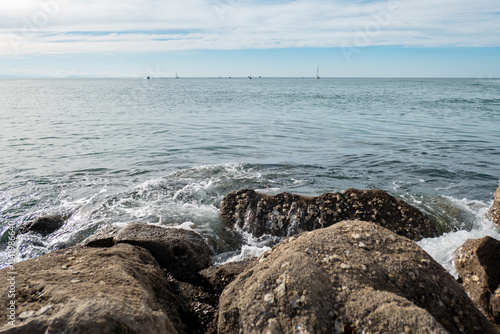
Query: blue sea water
(166, 151)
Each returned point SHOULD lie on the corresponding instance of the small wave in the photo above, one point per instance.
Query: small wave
(185, 197)
(251, 247)
(442, 248)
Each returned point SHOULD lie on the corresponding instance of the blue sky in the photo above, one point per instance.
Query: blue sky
(124, 38)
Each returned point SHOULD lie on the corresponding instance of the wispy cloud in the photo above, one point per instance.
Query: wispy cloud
(78, 26)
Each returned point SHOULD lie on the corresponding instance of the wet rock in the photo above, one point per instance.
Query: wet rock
(182, 253)
(120, 289)
(288, 214)
(351, 277)
(43, 225)
(477, 262)
(494, 212)
(218, 277)
(198, 307)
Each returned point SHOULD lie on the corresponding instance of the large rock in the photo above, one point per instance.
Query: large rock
(120, 289)
(182, 253)
(494, 212)
(478, 266)
(44, 225)
(352, 277)
(288, 214)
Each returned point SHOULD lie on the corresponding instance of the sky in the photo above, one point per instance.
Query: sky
(276, 38)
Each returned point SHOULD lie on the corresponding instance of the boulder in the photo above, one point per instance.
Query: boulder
(288, 214)
(352, 277)
(182, 253)
(218, 277)
(43, 225)
(120, 289)
(477, 262)
(494, 212)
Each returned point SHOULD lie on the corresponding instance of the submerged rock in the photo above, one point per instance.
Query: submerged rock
(288, 214)
(120, 289)
(351, 277)
(182, 253)
(478, 265)
(494, 212)
(44, 225)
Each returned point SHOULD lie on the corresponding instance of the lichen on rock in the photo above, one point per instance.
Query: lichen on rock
(351, 277)
(288, 214)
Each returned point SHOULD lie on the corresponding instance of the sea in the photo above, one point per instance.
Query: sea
(108, 152)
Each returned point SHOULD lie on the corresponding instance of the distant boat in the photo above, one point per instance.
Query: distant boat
(176, 75)
(249, 77)
(317, 73)
(149, 78)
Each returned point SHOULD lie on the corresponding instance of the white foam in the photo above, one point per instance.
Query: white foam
(190, 226)
(443, 248)
(248, 251)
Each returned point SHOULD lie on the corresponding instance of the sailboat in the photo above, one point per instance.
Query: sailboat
(317, 73)
(176, 75)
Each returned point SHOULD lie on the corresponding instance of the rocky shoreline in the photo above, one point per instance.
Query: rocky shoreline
(349, 265)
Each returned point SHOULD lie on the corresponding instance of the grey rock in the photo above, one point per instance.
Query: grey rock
(43, 225)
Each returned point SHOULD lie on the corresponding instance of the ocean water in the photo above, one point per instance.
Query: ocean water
(166, 151)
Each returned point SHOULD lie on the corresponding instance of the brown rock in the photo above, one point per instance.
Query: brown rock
(494, 212)
(477, 262)
(44, 225)
(351, 277)
(218, 277)
(181, 252)
(93, 290)
(197, 306)
(288, 214)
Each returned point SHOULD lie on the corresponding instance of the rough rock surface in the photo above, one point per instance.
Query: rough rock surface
(181, 252)
(218, 277)
(494, 212)
(93, 290)
(43, 225)
(288, 214)
(351, 277)
(197, 305)
(478, 264)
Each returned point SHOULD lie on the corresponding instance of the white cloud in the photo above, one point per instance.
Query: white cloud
(77, 26)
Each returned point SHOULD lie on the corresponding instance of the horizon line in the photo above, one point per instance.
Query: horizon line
(236, 77)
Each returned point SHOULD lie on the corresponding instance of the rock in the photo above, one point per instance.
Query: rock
(218, 277)
(477, 262)
(181, 252)
(288, 214)
(351, 277)
(120, 289)
(494, 212)
(44, 225)
(197, 306)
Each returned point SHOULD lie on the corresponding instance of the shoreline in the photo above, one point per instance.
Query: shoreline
(206, 296)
